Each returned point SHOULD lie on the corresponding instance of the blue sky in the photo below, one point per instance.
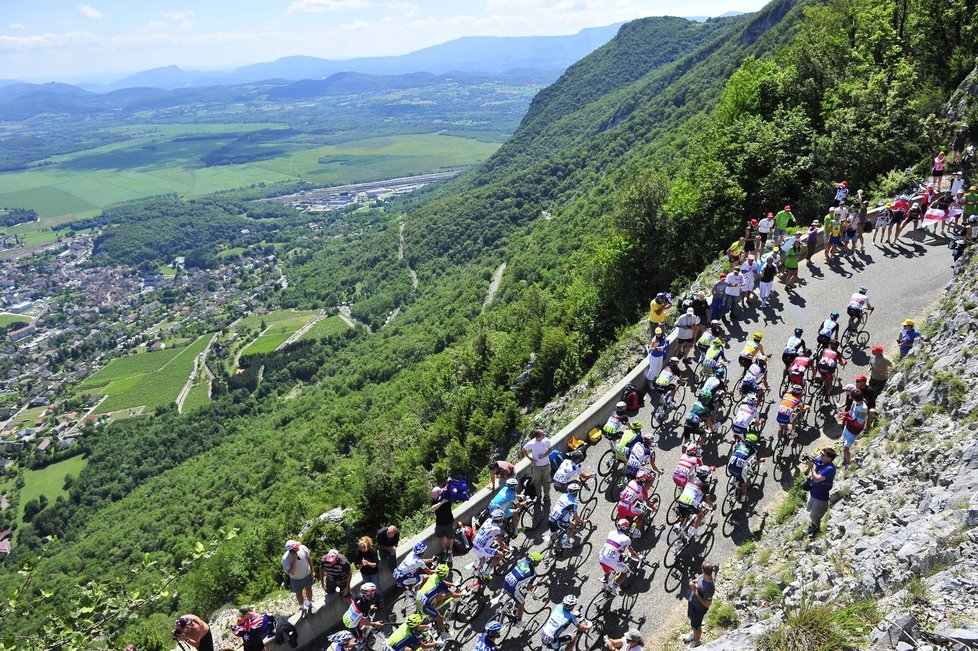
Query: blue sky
(44, 40)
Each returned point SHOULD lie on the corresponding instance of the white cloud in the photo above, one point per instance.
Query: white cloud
(47, 41)
(17, 27)
(409, 9)
(89, 12)
(322, 6)
(183, 14)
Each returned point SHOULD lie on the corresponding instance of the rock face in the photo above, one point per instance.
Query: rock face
(957, 107)
(901, 530)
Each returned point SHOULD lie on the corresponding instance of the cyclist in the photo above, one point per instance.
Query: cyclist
(829, 330)
(616, 545)
(746, 449)
(751, 350)
(700, 414)
(714, 332)
(715, 384)
(505, 499)
(668, 381)
(791, 405)
(636, 491)
(624, 445)
(564, 517)
(691, 500)
(641, 454)
(798, 370)
(489, 640)
(755, 379)
(748, 417)
(435, 592)
(341, 641)
(357, 616)
(406, 637)
(519, 580)
(411, 570)
(714, 355)
(689, 461)
(858, 305)
(617, 421)
(486, 540)
(827, 365)
(556, 633)
(567, 472)
(792, 348)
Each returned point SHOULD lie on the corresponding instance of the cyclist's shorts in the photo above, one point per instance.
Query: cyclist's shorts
(745, 360)
(854, 311)
(686, 509)
(663, 390)
(738, 430)
(517, 591)
(556, 643)
(407, 580)
(428, 609)
(558, 525)
(614, 566)
(788, 358)
(826, 369)
(484, 553)
(824, 339)
(784, 419)
(735, 471)
(627, 513)
(747, 387)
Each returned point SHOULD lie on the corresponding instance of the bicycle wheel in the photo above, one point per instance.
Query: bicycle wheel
(472, 602)
(606, 463)
(537, 598)
(455, 576)
(589, 489)
(596, 609)
(654, 504)
(862, 338)
(532, 516)
(398, 611)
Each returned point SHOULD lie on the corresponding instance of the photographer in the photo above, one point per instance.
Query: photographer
(194, 631)
(701, 591)
(818, 481)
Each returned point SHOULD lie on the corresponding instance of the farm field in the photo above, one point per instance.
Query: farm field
(281, 324)
(48, 481)
(27, 417)
(328, 326)
(198, 396)
(7, 319)
(150, 383)
(254, 321)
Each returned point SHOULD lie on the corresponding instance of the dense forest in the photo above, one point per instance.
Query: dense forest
(646, 156)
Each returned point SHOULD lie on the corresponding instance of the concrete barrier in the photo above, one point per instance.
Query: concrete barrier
(328, 616)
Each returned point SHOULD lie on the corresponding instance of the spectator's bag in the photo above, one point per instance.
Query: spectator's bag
(461, 544)
(285, 632)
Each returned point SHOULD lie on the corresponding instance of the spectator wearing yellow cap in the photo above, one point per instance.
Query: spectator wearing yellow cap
(905, 340)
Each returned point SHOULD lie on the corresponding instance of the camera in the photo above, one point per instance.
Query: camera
(178, 627)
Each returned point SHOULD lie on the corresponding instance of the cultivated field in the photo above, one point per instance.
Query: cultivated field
(328, 326)
(7, 319)
(198, 396)
(280, 325)
(48, 481)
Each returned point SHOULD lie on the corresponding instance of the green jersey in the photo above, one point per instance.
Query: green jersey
(971, 203)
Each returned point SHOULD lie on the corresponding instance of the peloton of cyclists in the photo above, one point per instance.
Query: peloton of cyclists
(611, 557)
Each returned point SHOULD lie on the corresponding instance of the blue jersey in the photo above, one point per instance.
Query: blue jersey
(559, 620)
(519, 577)
(741, 454)
(485, 644)
(503, 499)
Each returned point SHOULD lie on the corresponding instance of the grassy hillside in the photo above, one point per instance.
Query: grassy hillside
(643, 181)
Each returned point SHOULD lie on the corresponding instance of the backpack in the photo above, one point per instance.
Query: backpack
(285, 632)
(631, 397)
(556, 458)
(462, 542)
(458, 490)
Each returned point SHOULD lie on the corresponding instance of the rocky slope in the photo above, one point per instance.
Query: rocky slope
(895, 567)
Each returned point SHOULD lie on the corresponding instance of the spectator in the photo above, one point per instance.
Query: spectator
(367, 560)
(538, 450)
(811, 241)
(194, 631)
(826, 229)
(764, 228)
(751, 239)
(701, 308)
(970, 203)
(700, 597)
(657, 311)
(253, 628)
(658, 350)
(869, 396)
(907, 337)
(820, 475)
(387, 539)
(879, 368)
(632, 641)
(749, 271)
(445, 519)
(841, 192)
(334, 574)
(735, 280)
(684, 332)
(717, 298)
(791, 257)
(500, 470)
(297, 562)
(784, 220)
(853, 423)
(958, 142)
(768, 272)
(939, 170)
(862, 218)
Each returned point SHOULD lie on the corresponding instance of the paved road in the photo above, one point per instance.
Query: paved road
(903, 280)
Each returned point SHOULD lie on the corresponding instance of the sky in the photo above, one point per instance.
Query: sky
(64, 40)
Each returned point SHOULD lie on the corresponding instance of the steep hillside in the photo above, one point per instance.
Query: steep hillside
(599, 200)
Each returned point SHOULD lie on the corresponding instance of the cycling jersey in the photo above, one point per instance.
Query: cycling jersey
(703, 343)
(697, 414)
(402, 638)
(684, 469)
(626, 441)
(567, 472)
(794, 343)
(751, 349)
(356, 612)
(633, 493)
(666, 379)
(433, 587)
(714, 354)
(615, 546)
(741, 454)
(639, 456)
(410, 566)
(559, 620)
(798, 369)
(693, 493)
(744, 418)
(503, 500)
(615, 423)
(858, 302)
(519, 578)
(828, 329)
(828, 361)
(485, 538)
(789, 404)
(564, 509)
(485, 644)
(752, 378)
(713, 385)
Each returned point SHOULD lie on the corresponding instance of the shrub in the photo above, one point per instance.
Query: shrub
(721, 615)
(813, 626)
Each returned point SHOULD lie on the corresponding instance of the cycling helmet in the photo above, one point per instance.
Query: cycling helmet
(420, 548)
(442, 570)
(834, 344)
(414, 621)
(752, 438)
(494, 629)
(573, 488)
(798, 332)
(706, 395)
(344, 637)
(497, 515)
(569, 601)
(849, 388)
(692, 448)
(368, 589)
(834, 315)
(863, 290)
(751, 400)
(642, 475)
(636, 425)
(673, 361)
(758, 335)
(716, 324)
(762, 361)
(703, 472)
(620, 407)
(623, 524)
(512, 482)
(533, 558)
(720, 372)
